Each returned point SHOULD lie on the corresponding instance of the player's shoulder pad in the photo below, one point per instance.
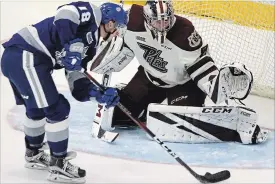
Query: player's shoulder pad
(136, 19)
(184, 35)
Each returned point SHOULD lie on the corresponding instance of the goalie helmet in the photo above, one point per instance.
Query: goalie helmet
(159, 17)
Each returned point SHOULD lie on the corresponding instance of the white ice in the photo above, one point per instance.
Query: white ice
(15, 15)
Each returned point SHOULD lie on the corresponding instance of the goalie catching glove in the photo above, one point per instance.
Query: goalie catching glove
(231, 81)
(234, 81)
(237, 80)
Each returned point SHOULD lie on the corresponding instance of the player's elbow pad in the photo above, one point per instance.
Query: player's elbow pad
(78, 84)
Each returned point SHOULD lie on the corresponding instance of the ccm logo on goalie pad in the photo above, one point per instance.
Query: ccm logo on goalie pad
(245, 114)
(216, 110)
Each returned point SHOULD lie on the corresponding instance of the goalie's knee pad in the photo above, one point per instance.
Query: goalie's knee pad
(236, 80)
(204, 124)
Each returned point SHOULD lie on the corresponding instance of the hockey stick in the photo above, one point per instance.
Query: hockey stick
(97, 130)
(207, 178)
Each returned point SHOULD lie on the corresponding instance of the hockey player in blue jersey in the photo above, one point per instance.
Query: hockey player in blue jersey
(67, 40)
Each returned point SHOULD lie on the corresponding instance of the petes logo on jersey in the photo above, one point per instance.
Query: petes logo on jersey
(152, 56)
(194, 39)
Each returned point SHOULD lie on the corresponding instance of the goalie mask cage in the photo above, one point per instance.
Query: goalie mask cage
(236, 31)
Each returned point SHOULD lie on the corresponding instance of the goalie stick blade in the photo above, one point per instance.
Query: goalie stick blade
(103, 134)
(214, 178)
(109, 136)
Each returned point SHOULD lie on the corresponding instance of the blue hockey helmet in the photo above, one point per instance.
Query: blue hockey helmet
(114, 12)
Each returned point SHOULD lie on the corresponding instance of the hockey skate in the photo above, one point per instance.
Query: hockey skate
(62, 171)
(37, 158)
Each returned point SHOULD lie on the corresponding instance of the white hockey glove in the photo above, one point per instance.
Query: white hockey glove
(117, 57)
(236, 80)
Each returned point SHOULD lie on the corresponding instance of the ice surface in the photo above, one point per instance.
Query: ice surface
(134, 144)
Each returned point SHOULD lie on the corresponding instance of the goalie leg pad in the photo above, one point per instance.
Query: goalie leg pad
(204, 124)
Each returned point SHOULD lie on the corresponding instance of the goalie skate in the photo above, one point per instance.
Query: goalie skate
(62, 171)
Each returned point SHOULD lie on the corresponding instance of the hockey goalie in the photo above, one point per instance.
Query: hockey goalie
(176, 67)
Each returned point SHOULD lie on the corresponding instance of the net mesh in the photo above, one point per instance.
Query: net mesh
(237, 32)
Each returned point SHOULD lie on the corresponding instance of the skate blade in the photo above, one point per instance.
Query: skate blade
(64, 179)
(36, 166)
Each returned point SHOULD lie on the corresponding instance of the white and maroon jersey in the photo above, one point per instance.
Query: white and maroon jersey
(167, 65)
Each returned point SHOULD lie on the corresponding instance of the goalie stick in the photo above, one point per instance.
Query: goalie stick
(207, 178)
(97, 130)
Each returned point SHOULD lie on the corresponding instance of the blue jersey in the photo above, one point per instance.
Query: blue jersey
(71, 21)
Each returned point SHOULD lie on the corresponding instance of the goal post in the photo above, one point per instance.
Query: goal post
(236, 31)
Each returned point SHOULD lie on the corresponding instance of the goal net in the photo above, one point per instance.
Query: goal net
(236, 31)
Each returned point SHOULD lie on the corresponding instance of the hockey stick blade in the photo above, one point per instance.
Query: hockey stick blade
(207, 178)
(214, 178)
